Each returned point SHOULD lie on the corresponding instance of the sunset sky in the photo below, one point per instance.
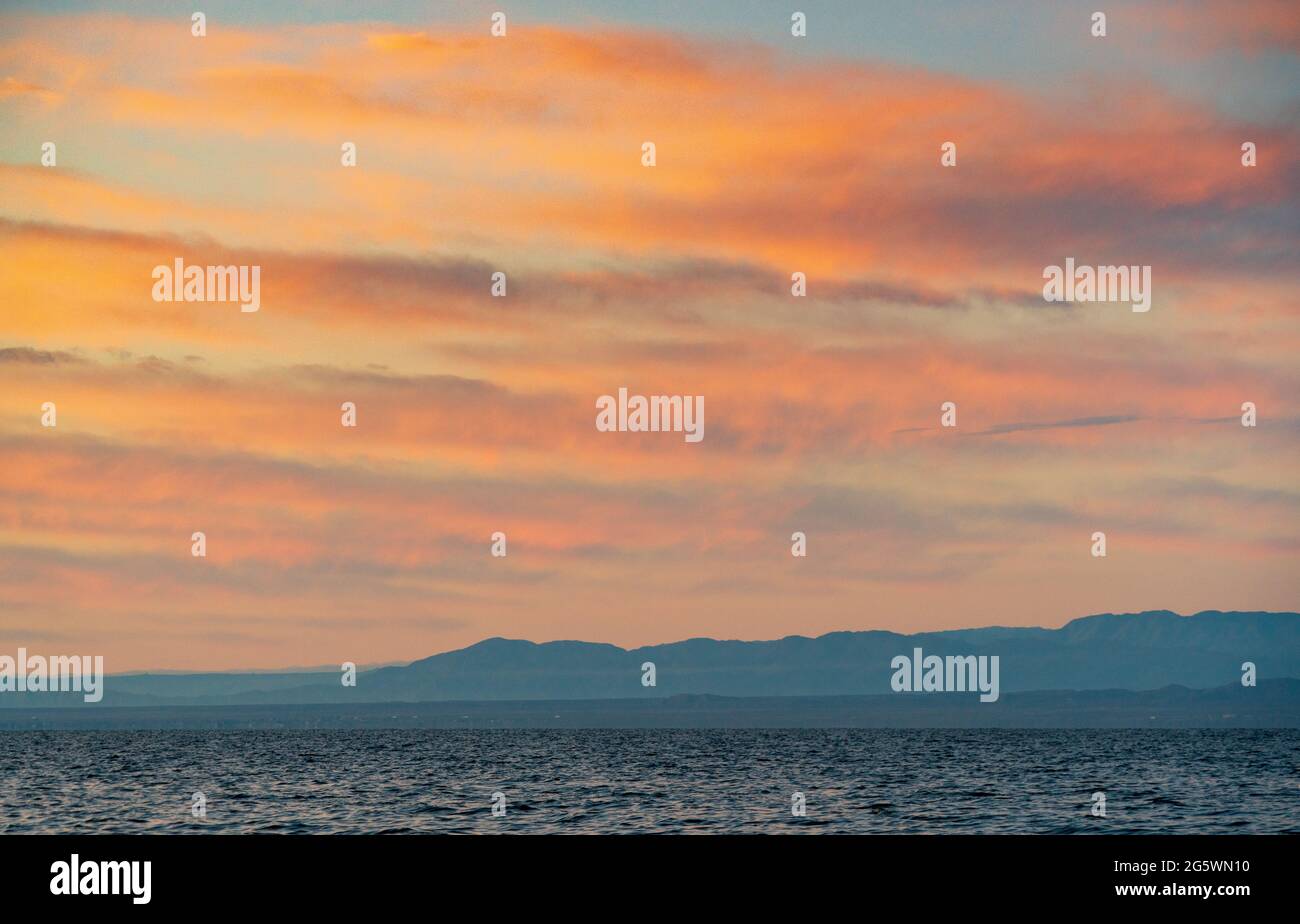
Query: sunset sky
(522, 154)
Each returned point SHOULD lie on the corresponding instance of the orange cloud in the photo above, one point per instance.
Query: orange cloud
(476, 413)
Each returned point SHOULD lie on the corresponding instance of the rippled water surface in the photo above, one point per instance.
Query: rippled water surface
(735, 781)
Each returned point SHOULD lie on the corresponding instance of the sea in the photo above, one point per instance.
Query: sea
(735, 781)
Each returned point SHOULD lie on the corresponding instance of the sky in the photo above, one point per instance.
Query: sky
(522, 154)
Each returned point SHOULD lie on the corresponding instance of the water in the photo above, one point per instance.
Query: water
(734, 781)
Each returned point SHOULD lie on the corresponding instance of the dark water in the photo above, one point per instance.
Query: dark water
(736, 781)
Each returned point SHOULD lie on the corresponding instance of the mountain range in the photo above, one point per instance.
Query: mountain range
(1135, 652)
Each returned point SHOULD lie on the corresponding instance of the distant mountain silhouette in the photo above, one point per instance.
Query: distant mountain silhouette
(1143, 651)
